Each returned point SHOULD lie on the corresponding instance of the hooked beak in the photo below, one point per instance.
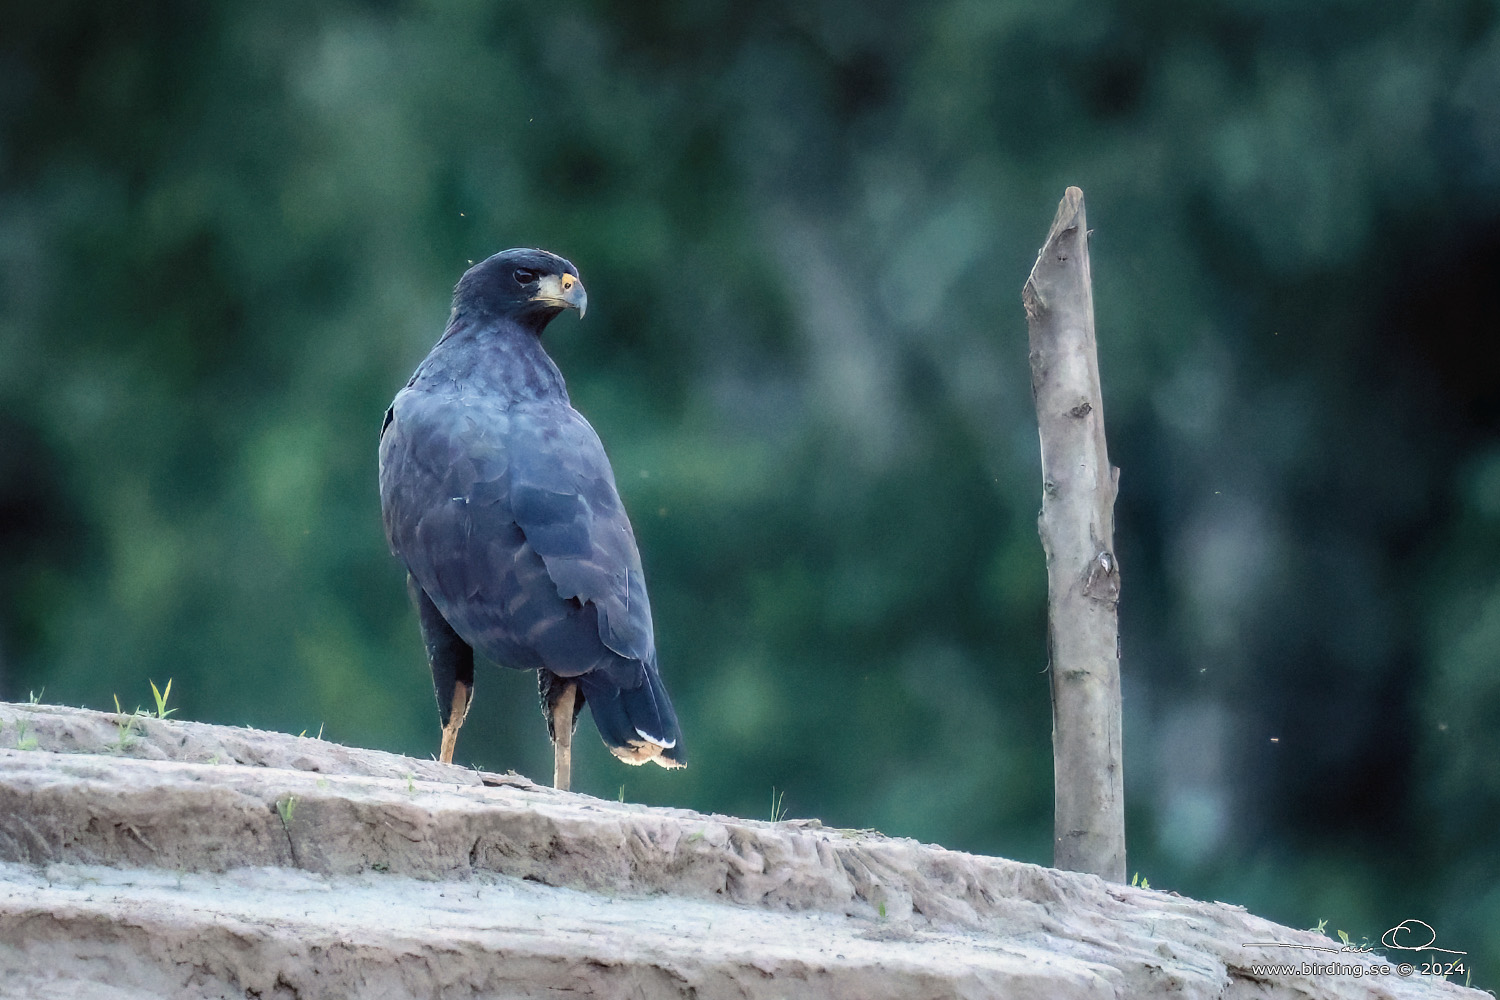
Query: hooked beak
(563, 291)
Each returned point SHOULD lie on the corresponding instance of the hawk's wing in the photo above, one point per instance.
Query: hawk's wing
(564, 499)
(511, 521)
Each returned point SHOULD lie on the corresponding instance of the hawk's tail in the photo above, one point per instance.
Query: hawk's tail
(637, 723)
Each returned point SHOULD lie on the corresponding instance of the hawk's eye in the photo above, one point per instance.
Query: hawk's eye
(525, 277)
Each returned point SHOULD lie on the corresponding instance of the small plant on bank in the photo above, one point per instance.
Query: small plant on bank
(162, 711)
(24, 739)
(125, 726)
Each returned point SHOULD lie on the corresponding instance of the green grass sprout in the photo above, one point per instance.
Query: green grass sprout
(24, 739)
(162, 711)
(125, 726)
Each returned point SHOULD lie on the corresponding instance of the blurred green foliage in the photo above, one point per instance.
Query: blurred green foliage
(228, 232)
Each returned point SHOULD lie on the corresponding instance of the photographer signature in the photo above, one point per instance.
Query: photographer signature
(1403, 937)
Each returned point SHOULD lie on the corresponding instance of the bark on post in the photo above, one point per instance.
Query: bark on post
(1077, 529)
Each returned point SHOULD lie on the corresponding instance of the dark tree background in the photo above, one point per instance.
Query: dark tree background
(229, 231)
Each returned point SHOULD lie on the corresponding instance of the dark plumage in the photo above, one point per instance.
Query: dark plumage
(499, 499)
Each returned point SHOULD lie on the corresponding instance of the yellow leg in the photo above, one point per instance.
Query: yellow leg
(562, 737)
(455, 721)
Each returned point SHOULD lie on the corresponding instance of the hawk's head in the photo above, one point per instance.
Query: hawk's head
(529, 286)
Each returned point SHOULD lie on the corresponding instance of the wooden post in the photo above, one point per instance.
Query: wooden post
(1077, 529)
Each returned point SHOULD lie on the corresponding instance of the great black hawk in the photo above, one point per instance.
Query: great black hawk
(498, 498)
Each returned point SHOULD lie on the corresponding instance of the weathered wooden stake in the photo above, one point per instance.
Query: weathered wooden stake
(1077, 528)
